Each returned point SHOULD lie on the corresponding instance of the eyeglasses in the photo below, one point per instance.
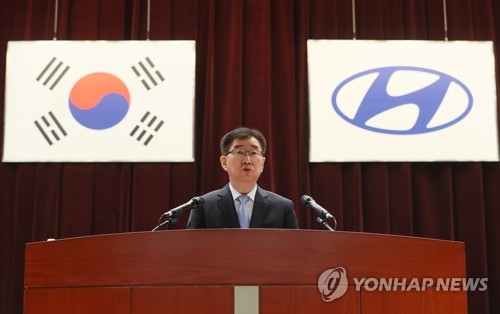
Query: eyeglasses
(240, 153)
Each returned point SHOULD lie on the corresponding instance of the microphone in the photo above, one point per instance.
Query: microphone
(308, 201)
(196, 201)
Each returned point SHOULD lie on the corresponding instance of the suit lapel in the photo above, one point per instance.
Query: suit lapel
(226, 206)
(260, 207)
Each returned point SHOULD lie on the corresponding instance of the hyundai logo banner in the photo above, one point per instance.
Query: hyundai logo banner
(402, 101)
(99, 101)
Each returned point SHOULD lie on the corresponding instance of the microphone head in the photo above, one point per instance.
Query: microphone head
(306, 199)
(197, 201)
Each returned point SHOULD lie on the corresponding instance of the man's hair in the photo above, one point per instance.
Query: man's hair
(241, 133)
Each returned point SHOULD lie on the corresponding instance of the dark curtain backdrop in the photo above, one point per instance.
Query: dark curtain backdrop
(251, 70)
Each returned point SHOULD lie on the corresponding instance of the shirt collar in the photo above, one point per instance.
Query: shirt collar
(250, 194)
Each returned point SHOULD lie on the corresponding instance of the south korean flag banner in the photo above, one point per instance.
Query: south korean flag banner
(99, 101)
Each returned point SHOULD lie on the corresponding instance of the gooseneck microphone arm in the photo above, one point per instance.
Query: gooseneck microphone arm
(325, 224)
(322, 213)
(172, 215)
(167, 222)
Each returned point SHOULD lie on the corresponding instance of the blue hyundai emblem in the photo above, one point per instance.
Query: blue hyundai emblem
(428, 99)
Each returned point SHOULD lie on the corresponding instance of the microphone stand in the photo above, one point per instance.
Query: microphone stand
(168, 222)
(325, 224)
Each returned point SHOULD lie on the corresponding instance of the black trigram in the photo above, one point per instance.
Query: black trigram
(52, 73)
(50, 128)
(148, 69)
(146, 128)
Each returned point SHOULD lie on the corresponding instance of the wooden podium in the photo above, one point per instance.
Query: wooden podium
(210, 271)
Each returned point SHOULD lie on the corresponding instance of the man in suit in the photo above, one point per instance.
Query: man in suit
(242, 203)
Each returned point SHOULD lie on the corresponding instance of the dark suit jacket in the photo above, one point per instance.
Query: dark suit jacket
(270, 210)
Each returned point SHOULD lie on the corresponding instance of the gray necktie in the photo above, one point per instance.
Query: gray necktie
(242, 213)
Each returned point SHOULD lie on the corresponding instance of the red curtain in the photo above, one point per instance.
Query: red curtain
(251, 70)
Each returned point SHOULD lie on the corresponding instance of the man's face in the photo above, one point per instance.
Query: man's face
(243, 168)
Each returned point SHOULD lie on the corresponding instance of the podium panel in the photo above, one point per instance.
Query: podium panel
(198, 271)
(77, 300)
(305, 299)
(414, 302)
(183, 300)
